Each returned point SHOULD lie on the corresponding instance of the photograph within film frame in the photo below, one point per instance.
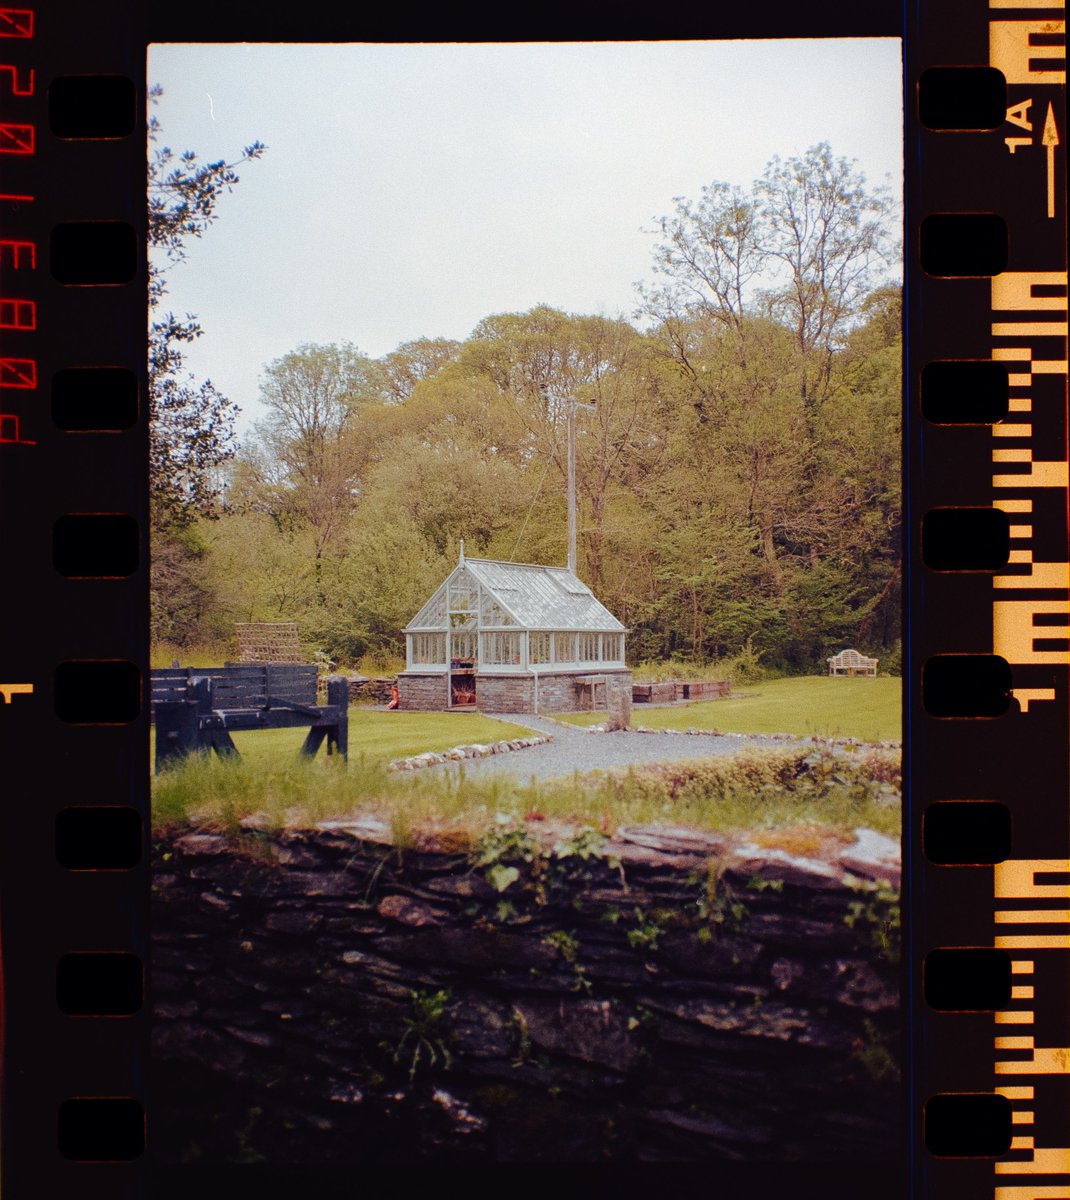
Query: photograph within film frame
(90, 1062)
(987, 736)
(532, 1026)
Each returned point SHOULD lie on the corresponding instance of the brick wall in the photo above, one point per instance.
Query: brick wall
(422, 693)
(505, 693)
(509, 693)
(558, 693)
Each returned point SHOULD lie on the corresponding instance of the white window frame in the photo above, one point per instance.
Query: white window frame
(557, 659)
(456, 635)
(547, 660)
(588, 648)
(613, 647)
(417, 647)
(492, 645)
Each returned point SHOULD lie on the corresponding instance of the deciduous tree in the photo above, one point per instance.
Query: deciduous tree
(191, 423)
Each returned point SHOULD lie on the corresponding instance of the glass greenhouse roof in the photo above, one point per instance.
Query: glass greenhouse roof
(538, 597)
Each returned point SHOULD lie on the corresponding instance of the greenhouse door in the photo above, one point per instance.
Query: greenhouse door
(462, 659)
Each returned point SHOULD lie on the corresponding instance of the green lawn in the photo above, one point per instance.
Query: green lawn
(736, 791)
(382, 736)
(863, 708)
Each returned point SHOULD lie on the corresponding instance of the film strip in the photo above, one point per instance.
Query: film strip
(71, 377)
(987, 828)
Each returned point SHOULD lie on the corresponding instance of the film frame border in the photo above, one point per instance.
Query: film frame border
(75, 1031)
(987, 768)
(117, 47)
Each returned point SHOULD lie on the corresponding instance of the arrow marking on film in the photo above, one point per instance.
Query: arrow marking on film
(1050, 139)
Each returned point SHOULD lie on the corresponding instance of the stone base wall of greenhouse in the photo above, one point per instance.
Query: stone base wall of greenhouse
(557, 691)
(422, 693)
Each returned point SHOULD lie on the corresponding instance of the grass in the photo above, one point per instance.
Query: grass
(862, 708)
(383, 736)
(379, 737)
(163, 653)
(782, 789)
(755, 790)
(270, 778)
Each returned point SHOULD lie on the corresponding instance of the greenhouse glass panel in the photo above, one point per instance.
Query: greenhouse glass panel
(612, 647)
(433, 612)
(492, 612)
(539, 647)
(501, 649)
(429, 648)
(565, 648)
(463, 592)
(463, 646)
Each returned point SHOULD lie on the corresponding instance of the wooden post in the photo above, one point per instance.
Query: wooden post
(338, 694)
(176, 731)
(313, 741)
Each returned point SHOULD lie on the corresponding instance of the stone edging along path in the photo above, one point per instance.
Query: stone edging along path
(772, 737)
(458, 753)
(485, 750)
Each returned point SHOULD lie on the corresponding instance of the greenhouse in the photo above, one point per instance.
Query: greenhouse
(512, 637)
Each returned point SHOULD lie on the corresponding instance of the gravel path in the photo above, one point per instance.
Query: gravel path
(574, 749)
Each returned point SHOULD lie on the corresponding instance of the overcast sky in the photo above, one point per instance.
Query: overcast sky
(411, 190)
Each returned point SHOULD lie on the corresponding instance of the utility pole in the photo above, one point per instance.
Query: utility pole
(572, 485)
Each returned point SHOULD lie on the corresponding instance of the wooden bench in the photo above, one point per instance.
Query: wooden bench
(850, 662)
(197, 708)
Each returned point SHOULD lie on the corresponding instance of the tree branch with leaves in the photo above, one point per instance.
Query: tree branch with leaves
(191, 422)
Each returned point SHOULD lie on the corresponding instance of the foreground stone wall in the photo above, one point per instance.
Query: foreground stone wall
(662, 996)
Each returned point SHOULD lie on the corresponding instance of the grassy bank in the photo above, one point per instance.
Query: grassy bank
(751, 790)
(867, 709)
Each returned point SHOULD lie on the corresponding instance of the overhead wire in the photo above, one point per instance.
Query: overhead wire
(531, 507)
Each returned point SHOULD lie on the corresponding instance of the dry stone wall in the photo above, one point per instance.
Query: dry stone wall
(664, 995)
(363, 689)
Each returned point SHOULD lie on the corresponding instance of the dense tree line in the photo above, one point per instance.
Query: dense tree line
(738, 473)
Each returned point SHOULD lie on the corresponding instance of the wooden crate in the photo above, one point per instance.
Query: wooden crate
(268, 642)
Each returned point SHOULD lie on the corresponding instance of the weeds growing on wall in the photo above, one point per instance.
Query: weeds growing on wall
(424, 1042)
